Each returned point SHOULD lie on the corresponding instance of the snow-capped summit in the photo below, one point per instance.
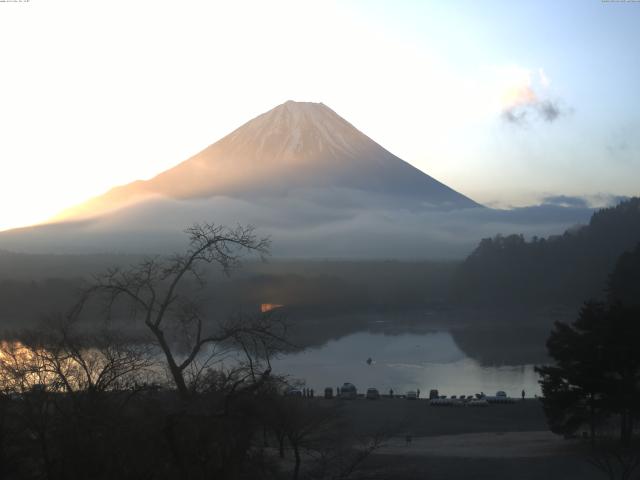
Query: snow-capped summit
(300, 130)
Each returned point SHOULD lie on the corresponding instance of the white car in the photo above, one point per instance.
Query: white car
(500, 397)
(372, 394)
(412, 395)
(348, 390)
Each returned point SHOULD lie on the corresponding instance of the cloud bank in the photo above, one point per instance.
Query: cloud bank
(306, 223)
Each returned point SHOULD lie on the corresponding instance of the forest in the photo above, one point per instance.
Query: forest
(561, 269)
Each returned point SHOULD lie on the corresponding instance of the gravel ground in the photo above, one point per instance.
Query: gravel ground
(497, 442)
(417, 417)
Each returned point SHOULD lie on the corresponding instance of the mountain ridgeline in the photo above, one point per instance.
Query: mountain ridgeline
(561, 269)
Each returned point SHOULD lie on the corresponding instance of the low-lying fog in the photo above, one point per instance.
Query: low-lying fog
(305, 223)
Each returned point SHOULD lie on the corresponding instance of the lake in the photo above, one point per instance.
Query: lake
(402, 362)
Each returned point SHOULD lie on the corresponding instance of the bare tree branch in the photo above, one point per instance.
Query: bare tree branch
(155, 290)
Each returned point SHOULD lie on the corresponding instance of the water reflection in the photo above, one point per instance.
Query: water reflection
(404, 362)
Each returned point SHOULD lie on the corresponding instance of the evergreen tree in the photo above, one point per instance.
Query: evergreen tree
(624, 282)
(597, 360)
(573, 388)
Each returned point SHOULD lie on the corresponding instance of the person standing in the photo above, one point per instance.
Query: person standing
(523, 395)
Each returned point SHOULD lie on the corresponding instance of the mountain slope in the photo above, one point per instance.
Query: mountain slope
(297, 145)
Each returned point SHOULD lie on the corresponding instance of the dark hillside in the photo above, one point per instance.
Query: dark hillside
(563, 269)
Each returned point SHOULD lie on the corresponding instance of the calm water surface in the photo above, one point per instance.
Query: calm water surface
(404, 362)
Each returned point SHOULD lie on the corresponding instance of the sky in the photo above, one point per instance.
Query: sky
(507, 102)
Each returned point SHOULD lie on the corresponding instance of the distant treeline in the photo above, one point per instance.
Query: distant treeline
(562, 269)
(33, 287)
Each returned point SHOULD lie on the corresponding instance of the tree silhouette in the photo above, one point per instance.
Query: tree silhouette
(597, 361)
(624, 282)
(156, 293)
(573, 388)
(562, 269)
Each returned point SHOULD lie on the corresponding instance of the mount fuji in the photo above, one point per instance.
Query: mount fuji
(298, 172)
(296, 145)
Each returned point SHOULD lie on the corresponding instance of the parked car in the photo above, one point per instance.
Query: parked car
(293, 392)
(500, 397)
(328, 393)
(348, 390)
(372, 394)
(412, 395)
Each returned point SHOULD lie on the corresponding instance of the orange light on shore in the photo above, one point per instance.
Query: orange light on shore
(267, 307)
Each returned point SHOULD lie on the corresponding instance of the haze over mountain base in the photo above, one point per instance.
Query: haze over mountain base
(343, 224)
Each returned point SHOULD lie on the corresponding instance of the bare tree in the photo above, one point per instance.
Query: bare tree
(65, 385)
(319, 437)
(22, 370)
(305, 425)
(615, 460)
(23, 375)
(172, 313)
(90, 360)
